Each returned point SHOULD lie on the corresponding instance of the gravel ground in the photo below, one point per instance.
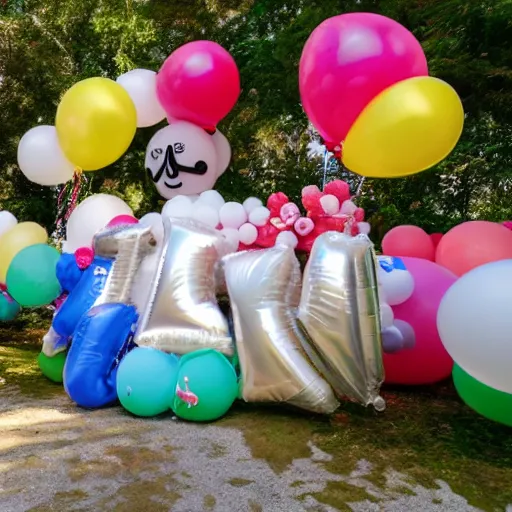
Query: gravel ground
(54, 456)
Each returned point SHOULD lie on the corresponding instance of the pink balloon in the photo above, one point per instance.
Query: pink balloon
(427, 361)
(508, 224)
(347, 61)
(472, 244)
(408, 241)
(200, 83)
(436, 238)
(122, 220)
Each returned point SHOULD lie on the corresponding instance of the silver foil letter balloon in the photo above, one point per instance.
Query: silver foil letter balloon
(182, 314)
(339, 310)
(264, 288)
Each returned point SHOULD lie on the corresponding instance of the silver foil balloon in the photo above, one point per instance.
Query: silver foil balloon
(128, 245)
(339, 310)
(182, 314)
(264, 288)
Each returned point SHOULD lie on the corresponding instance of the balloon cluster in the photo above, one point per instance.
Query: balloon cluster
(364, 85)
(27, 266)
(250, 225)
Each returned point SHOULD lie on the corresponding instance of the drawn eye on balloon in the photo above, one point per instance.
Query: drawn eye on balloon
(156, 153)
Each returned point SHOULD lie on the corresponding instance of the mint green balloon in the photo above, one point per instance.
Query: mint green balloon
(146, 380)
(31, 278)
(52, 367)
(207, 386)
(8, 309)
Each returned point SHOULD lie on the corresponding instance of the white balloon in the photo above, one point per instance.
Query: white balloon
(348, 207)
(179, 207)
(248, 233)
(140, 84)
(364, 228)
(232, 215)
(287, 238)
(205, 214)
(259, 216)
(7, 221)
(330, 204)
(155, 221)
(232, 238)
(181, 159)
(41, 159)
(474, 321)
(398, 286)
(251, 203)
(386, 315)
(212, 198)
(407, 331)
(223, 151)
(91, 216)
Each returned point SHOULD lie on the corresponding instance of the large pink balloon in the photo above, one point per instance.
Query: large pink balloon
(200, 83)
(347, 61)
(410, 241)
(472, 244)
(428, 361)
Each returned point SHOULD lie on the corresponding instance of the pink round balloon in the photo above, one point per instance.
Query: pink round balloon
(200, 83)
(122, 220)
(408, 241)
(347, 61)
(472, 244)
(436, 238)
(508, 224)
(427, 361)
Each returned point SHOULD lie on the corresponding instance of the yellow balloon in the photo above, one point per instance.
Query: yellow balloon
(96, 122)
(17, 238)
(407, 129)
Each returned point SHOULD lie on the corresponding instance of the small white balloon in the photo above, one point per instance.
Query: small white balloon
(91, 216)
(140, 84)
(41, 159)
(179, 207)
(407, 331)
(248, 233)
(155, 221)
(259, 216)
(232, 238)
(7, 221)
(205, 214)
(348, 207)
(287, 238)
(386, 315)
(212, 198)
(223, 151)
(398, 286)
(364, 228)
(232, 215)
(251, 203)
(330, 204)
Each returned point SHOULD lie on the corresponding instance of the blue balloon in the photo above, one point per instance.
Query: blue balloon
(82, 297)
(146, 381)
(9, 308)
(68, 272)
(100, 341)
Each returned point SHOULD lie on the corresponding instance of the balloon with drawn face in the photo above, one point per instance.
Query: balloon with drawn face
(182, 159)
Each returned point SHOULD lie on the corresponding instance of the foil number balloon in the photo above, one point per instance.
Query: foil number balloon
(339, 310)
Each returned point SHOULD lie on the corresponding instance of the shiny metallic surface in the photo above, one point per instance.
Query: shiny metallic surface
(339, 311)
(182, 314)
(263, 286)
(128, 246)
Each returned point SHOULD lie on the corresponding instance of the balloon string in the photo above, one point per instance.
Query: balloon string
(64, 213)
(326, 164)
(77, 183)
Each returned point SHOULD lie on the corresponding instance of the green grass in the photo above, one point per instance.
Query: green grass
(425, 433)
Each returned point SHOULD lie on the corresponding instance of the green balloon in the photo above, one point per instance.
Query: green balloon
(31, 277)
(8, 309)
(491, 403)
(52, 367)
(207, 386)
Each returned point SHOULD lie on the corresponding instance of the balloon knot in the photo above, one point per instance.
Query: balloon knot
(84, 257)
(191, 399)
(78, 171)
(210, 130)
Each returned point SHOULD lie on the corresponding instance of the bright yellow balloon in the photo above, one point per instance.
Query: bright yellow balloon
(17, 238)
(407, 129)
(96, 122)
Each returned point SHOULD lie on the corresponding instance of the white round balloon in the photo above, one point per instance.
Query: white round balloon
(41, 159)
(223, 151)
(91, 216)
(141, 86)
(232, 215)
(212, 198)
(475, 324)
(7, 221)
(398, 285)
(179, 207)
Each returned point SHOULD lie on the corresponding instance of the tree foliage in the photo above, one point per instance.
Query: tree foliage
(47, 45)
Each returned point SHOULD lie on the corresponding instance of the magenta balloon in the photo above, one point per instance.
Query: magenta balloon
(427, 361)
(200, 83)
(347, 61)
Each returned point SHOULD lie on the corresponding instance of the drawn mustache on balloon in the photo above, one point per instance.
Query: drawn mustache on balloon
(172, 167)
